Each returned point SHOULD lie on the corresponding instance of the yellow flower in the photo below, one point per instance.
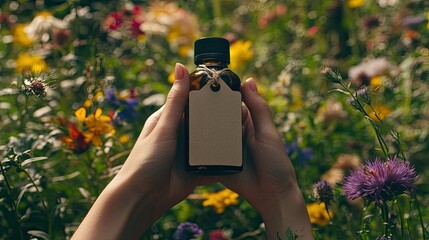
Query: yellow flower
(318, 214)
(220, 200)
(355, 3)
(97, 124)
(376, 82)
(171, 77)
(240, 53)
(379, 112)
(34, 63)
(20, 37)
(124, 138)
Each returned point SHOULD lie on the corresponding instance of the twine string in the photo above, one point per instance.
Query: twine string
(213, 75)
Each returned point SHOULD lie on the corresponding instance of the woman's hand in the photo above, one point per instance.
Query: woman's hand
(268, 179)
(152, 179)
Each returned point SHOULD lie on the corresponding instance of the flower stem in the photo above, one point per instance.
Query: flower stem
(12, 202)
(420, 216)
(385, 211)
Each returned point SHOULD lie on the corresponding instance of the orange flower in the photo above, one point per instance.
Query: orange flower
(97, 124)
(75, 139)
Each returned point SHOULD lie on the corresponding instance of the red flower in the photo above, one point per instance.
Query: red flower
(75, 140)
(216, 235)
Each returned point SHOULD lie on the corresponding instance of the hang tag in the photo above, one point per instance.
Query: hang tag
(215, 131)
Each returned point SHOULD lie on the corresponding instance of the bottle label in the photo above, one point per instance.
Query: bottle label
(215, 130)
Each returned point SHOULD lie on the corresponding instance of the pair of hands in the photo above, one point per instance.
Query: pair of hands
(159, 179)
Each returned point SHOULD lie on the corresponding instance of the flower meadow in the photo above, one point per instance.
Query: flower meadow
(347, 82)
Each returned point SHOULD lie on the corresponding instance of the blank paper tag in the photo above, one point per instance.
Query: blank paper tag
(215, 127)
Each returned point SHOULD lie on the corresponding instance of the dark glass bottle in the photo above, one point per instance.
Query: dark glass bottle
(212, 52)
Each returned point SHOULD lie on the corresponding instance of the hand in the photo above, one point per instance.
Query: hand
(155, 164)
(152, 179)
(268, 179)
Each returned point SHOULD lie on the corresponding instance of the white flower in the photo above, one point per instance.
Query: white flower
(42, 25)
(369, 68)
(387, 3)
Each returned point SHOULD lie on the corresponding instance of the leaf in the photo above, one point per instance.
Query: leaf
(339, 90)
(21, 193)
(38, 234)
(34, 159)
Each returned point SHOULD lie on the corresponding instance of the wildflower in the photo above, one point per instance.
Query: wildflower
(114, 20)
(75, 140)
(302, 155)
(355, 3)
(412, 21)
(42, 25)
(362, 73)
(240, 53)
(270, 15)
(97, 124)
(343, 164)
(323, 192)
(187, 230)
(332, 111)
(124, 138)
(371, 22)
(376, 82)
(159, 18)
(36, 86)
(319, 214)
(61, 36)
(387, 3)
(19, 36)
(380, 181)
(220, 200)
(124, 106)
(379, 112)
(331, 75)
(216, 235)
(32, 63)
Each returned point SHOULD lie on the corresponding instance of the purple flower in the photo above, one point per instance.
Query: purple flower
(323, 191)
(380, 181)
(187, 230)
(293, 150)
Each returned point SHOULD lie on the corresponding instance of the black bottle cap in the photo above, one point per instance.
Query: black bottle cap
(211, 47)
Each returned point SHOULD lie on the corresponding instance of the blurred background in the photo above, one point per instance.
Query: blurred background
(78, 79)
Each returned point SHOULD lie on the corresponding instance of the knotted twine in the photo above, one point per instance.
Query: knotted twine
(213, 75)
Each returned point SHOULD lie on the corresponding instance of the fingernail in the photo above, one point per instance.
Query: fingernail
(179, 72)
(252, 84)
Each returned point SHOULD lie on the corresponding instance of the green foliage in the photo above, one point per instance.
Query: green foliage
(111, 55)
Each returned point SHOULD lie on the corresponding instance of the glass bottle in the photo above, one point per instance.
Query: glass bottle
(213, 53)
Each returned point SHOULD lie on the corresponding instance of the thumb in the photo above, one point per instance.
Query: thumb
(259, 110)
(177, 99)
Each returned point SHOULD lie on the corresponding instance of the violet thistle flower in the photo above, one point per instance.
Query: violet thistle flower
(323, 192)
(187, 230)
(380, 181)
(363, 94)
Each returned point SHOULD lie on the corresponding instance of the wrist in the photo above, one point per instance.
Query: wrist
(288, 214)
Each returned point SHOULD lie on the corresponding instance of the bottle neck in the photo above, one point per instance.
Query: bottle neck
(213, 63)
